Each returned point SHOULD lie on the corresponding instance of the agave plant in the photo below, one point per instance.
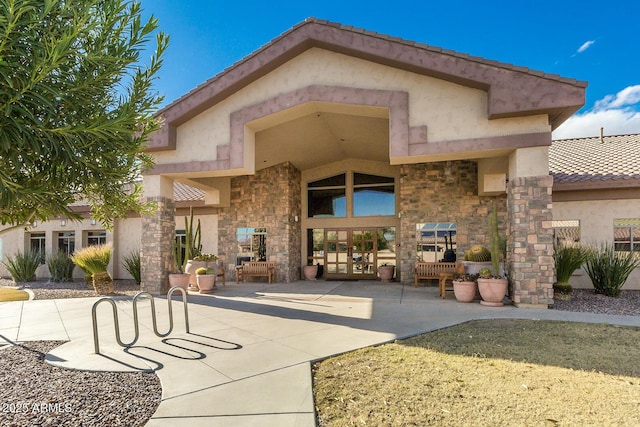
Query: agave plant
(22, 266)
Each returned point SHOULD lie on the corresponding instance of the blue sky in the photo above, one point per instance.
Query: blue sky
(596, 41)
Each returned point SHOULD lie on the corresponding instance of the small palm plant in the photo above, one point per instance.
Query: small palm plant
(95, 260)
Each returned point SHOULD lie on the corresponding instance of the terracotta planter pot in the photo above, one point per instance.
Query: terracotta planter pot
(310, 272)
(492, 291)
(206, 283)
(464, 291)
(179, 279)
(191, 268)
(386, 272)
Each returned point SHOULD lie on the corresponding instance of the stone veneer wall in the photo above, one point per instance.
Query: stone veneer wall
(443, 192)
(531, 256)
(156, 258)
(271, 198)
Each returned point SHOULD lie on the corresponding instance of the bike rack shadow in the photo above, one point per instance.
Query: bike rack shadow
(135, 317)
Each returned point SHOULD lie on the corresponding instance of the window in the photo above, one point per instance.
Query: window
(67, 242)
(37, 245)
(96, 238)
(373, 195)
(327, 197)
(436, 241)
(252, 244)
(626, 234)
(566, 231)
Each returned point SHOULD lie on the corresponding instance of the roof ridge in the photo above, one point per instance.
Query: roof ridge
(597, 137)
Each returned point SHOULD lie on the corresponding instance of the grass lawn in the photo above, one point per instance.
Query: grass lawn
(7, 294)
(488, 373)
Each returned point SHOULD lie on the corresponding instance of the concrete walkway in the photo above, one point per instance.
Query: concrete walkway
(246, 360)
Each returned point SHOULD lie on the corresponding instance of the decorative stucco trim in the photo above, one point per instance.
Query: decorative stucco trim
(195, 166)
(396, 102)
(480, 144)
(513, 91)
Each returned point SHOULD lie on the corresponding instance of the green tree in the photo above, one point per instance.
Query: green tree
(76, 106)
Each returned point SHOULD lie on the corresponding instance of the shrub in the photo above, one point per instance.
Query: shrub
(200, 271)
(568, 258)
(608, 269)
(93, 259)
(131, 263)
(60, 267)
(22, 266)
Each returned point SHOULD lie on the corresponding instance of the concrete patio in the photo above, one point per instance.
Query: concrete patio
(246, 360)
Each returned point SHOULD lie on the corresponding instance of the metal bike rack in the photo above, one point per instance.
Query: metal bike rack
(96, 344)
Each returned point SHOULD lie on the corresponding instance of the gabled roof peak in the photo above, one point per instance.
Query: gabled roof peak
(513, 91)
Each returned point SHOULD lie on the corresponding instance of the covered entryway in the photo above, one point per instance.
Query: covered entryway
(352, 253)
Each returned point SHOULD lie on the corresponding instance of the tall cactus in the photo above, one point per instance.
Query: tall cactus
(193, 245)
(176, 248)
(494, 240)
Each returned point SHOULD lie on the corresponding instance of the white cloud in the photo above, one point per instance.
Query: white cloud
(627, 96)
(618, 114)
(586, 45)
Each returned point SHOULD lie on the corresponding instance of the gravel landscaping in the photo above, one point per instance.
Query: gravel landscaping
(34, 393)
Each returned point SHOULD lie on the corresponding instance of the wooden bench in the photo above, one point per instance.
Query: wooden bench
(441, 271)
(220, 276)
(256, 269)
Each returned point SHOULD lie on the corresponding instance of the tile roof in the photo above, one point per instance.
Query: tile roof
(186, 193)
(614, 160)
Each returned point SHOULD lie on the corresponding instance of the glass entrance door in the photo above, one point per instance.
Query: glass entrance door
(356, 253)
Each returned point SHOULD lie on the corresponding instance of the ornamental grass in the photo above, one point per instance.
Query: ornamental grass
(609, 269)
(93, 259)
(567, 258)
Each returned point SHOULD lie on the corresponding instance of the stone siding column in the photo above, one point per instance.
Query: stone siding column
(530, 256)
(158, 230)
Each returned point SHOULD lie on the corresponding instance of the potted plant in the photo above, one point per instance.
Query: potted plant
(310, 271)
(464, 287)
(200, 261)
(476, 258)
(192, 247)
(206, 280)
(178, 277)
(385, 271)
(567, 259)
(493, 287)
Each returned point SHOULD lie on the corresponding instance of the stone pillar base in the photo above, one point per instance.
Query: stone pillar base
(158, 231)
(530, 255)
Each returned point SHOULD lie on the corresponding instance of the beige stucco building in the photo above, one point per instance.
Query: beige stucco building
(351, 149)
(346, 148)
